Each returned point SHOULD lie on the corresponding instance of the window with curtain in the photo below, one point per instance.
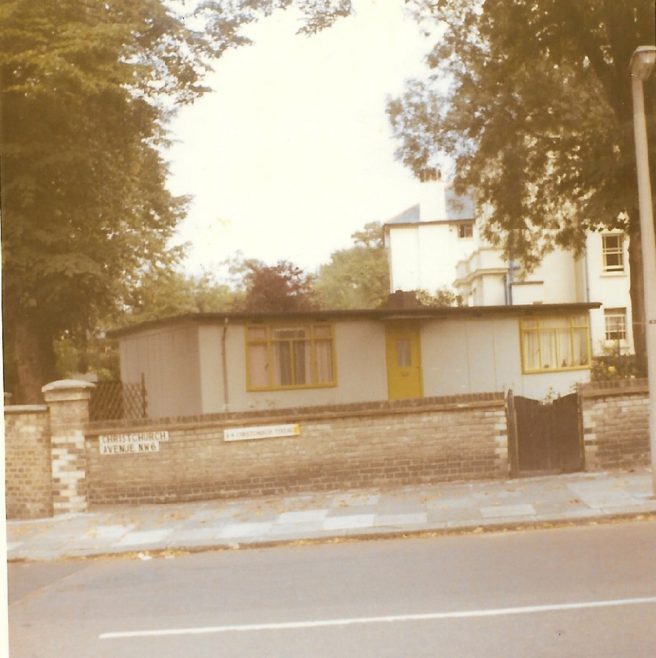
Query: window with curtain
(289, 356)
(555, 343)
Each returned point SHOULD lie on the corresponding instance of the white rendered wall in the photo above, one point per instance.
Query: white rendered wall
(424, 256)
(404, 259)
(612, 289)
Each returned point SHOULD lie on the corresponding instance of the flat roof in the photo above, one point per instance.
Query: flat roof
(379, 314)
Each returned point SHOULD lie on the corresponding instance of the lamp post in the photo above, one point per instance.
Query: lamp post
(642, 64)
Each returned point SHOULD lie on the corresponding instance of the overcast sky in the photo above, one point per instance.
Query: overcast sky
(292, 152)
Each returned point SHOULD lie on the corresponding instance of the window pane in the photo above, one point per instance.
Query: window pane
(615, 323)
(548, 349)
(322, 331)
(287, 333)
(531, 350)
(555, 343)
(301, 363)
(403, 353)
(282, 364)
(257, 366)
(581, 355)
(285, 357)
(256, 333)
(324, 358)
(613, 249)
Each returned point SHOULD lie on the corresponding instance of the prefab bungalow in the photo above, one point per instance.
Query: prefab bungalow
(218, 362)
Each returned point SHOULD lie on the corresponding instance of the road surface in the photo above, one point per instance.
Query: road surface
(586, 591)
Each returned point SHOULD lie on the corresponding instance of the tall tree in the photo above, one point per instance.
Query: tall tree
(279, 288)
(85, 206)
(357, 277)
(87, 88)
(537, 120)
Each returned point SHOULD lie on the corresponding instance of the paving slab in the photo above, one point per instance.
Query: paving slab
(445, 507)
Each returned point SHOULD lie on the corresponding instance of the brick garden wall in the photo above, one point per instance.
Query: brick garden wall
(53, 462)
(615, 425)
(28, 479)
(339, 447)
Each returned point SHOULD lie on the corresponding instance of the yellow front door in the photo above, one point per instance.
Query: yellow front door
(404, 379)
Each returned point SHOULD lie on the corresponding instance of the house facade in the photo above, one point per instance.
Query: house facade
(218, 362)
(436, 245)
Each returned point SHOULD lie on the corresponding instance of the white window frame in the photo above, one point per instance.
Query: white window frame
(610, 315)
(607, 251)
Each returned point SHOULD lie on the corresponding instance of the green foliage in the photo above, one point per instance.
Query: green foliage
(170, 293)
(442, 297)
(537, 119)
(95, 354)
(357, 277)
(613, 366)
(279, 288)
(86, 90)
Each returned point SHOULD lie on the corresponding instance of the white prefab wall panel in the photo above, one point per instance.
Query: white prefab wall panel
(168, 359)
(185, 375)
(483, 355)
(360, 369)
(214, 396)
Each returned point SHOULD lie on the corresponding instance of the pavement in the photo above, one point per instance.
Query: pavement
(147, 530)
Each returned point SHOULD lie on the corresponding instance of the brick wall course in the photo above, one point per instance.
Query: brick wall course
(616, 426)
(28, 492)
(381, 447)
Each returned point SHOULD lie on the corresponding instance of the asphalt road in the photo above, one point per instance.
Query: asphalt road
(587, 591)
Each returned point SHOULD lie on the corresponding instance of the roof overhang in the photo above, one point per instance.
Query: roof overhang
(380, 314)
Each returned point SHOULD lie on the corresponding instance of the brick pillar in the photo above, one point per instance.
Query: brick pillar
(68, 403)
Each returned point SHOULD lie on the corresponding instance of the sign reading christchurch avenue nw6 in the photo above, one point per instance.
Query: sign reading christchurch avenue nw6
(121, 444)
(261, 432)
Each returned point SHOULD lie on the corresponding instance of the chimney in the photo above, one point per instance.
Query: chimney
(432, 197)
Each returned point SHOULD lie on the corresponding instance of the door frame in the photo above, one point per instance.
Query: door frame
(414, 328)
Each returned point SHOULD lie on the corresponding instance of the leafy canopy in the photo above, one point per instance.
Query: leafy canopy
(357, 277)
(537, 118)
(279, 288)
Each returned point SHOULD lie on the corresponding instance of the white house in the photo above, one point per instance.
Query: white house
(437, 244)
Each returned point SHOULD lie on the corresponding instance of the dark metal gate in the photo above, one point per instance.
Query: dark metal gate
(545, 437)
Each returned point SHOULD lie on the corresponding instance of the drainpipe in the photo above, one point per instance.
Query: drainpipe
(509, 282)
(586, 274)
(224, 366)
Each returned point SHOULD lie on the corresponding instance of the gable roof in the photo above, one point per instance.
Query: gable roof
(459, 207)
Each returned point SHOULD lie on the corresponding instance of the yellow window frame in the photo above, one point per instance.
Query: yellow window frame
(270, 340)
(570, 324)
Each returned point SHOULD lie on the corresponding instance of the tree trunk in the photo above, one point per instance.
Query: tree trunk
(637, 297)
(30, 352)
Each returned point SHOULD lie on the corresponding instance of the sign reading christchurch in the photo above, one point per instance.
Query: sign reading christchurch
(122, 444)
(261, 432)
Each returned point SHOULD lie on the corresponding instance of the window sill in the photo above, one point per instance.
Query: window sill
(616, 274)
(549, 370)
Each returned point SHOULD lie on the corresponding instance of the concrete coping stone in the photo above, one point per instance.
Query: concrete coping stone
(26, 409)
(284, 415)
(67, 385)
